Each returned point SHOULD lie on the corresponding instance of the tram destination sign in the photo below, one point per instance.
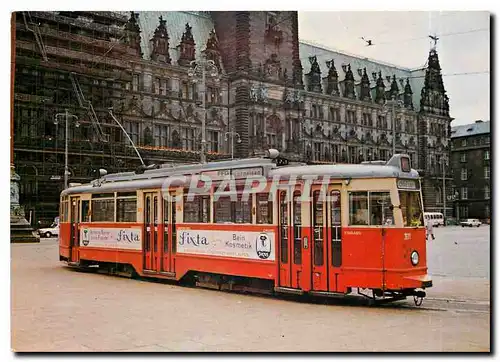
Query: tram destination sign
(114, 238)
(247, 172)
(237, 173)
(254, 245)
(408, 184)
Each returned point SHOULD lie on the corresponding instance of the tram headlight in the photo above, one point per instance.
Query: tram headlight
(414, 258)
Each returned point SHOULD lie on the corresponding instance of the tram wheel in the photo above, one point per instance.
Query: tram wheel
(418, 300)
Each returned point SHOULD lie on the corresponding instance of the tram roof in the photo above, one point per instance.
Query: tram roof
(154, 178)
(343, 171)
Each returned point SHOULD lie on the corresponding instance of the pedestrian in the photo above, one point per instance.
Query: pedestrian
(430, 230)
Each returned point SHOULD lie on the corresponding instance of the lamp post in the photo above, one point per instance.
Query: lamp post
(443, 164)
(66, 115)
(203, 66)
(393, 103)
(233, 134)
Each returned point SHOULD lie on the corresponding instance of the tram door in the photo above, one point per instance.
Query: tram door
(326, 234)
(319, 266)
(74, 241)
(169, 234)
(290, 239)
(334, 240)
(151, 258)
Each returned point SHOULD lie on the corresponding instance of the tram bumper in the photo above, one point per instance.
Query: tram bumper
(423, 281)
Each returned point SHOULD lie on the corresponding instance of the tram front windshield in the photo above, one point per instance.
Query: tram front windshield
(411, 208)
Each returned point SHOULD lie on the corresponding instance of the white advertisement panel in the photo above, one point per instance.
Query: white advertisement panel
(116, 238)
(238, 244)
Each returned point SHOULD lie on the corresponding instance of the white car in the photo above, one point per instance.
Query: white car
(49, 232)
(470, 223)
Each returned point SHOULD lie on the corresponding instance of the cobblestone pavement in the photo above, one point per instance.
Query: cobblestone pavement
(57, 309)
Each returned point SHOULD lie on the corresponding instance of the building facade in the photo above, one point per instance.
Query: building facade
(471, 164)
(312, 103)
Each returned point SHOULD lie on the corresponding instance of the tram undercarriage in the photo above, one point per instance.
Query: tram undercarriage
(249, 285)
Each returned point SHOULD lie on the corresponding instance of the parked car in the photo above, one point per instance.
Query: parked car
(53, 230)
(471, 223)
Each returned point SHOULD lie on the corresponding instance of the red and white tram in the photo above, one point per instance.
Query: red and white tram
(256, 224)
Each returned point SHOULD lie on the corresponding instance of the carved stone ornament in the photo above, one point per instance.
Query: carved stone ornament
(332, 80)
(314, 76)
(365, 90)
(132, 34)
(159, 41)
(349, 84)
(186, 47)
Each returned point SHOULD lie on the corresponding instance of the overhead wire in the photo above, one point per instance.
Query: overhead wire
(373, 36)
(439, 35)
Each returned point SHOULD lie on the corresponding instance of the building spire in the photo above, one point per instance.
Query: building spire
(433, 98)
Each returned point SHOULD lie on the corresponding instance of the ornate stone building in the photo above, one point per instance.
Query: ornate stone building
(312, 103)
(471, 166)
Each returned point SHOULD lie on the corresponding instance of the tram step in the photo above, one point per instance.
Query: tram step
(327, 294)
(168, 274)
(288, 290)
(162, 273)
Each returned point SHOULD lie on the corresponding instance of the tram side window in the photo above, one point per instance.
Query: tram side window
(85, 210)
(411, 208)
(222, 209)
(358, 208)
(103, 210)
(243, 211)
(264, 209)
(126, 209)
(197, 209)
(65, 210)
(370, 208)
(380, 209)
(239, 211)
(61, 211)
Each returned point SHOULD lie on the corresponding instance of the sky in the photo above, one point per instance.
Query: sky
(401, 38)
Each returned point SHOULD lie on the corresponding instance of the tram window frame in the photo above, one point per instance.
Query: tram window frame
(239, 206)
(297, 227)
(364, 218)
(368, 216)
(223, 210)
(283, 222)
(318, 221)
(385, 210)
(65, 210)
(124, 202)
(199, 209)
(263, 202)
(61, 210)
(409, 211)
(244, 208)
(336, 228)
(85, 215)
(107, 200)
